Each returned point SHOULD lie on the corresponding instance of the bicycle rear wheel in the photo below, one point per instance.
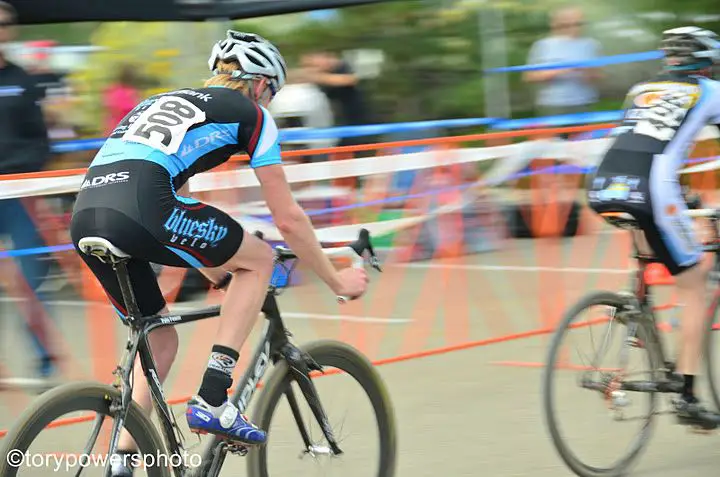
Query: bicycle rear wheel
(604, 382)
(348, 362)
(82, 397)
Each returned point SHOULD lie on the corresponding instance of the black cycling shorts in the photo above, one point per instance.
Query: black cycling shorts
(133, 205)
(646, 186)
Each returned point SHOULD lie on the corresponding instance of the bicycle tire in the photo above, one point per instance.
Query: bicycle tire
(351, 361)
(571, 460)
(710, 350)
(73, 397)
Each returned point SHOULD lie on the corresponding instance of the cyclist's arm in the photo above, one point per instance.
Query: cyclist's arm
(294, 224)
(289, 217)
(711, 88)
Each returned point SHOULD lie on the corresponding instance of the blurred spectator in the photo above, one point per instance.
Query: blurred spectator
(301, 104)
(336, 79)
(24, 147)
(55, 93)
(121, 97)
(564, 91)
(50, 83)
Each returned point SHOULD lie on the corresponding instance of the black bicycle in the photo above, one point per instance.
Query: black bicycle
(292, 364)
(631, 313)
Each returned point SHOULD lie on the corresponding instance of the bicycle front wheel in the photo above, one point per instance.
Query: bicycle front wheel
(711, 351)
(345, 370)
(86, 399)
(598, 447)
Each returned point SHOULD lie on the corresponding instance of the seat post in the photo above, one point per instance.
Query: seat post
(123, 276)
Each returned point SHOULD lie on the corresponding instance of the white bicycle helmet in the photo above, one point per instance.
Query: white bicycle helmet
(256, 55)
(690, 48)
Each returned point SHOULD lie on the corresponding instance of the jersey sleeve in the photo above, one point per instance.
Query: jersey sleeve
(263, 146)
(712, 90)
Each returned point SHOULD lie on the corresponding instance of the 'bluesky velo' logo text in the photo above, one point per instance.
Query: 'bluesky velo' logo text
(195, 233)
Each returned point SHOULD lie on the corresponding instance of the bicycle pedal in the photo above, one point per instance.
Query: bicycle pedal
(237, 449)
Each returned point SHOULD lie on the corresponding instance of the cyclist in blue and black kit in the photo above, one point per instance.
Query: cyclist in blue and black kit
(135, 195)
(639, 176)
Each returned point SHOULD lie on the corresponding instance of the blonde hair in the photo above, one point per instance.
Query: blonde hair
(224, 77)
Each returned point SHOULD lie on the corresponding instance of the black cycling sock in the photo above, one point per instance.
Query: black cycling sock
(688, 388)
(218, 375)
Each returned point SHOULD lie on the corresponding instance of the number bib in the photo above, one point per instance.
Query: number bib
(164, 124)
(662, 120)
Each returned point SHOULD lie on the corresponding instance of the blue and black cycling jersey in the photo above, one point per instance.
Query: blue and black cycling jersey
(189, 131)
(129, 194)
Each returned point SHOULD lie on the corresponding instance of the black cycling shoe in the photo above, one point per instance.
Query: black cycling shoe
(691, 413)
(675, 383)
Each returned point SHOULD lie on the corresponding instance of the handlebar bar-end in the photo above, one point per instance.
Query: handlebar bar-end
(364, 243)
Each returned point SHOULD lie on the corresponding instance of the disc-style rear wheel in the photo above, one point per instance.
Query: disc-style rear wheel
(79, 400)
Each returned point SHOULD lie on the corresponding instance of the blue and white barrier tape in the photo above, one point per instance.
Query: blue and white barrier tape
(315, 134)
(377, 129)
(594, 63)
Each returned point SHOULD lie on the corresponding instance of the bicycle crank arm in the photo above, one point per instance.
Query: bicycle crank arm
(637, 386)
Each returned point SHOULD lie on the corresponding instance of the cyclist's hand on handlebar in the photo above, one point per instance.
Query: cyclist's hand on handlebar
(352, 282)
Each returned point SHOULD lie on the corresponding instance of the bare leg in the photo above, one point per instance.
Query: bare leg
(251, 267)
(692, 294)
(690, 286)
(209, 411)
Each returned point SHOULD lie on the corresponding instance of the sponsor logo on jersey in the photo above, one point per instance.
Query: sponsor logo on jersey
(648, 94)
(194, 233)
(219, 136)
(196, 94)
(100, 181)
(644, 100)
(598, 182)
(623, 188)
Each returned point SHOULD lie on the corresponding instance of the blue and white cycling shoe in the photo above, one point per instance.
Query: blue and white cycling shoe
(225, 421)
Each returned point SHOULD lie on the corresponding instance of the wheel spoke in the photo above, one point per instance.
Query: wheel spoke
(97, 426)
(598, 378)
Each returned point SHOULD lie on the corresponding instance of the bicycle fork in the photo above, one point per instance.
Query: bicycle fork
(301, 365)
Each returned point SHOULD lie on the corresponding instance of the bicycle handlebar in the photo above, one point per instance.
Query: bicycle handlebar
(354, 251)
(707, 212)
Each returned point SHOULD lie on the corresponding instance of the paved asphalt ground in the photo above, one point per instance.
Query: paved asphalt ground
(458, 412)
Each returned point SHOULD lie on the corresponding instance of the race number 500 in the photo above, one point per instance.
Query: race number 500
(164, 124)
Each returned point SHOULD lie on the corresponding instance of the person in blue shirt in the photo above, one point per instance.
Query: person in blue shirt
(569, 90)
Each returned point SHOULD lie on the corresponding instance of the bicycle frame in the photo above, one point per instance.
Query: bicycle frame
(640, 288)
(273, 346)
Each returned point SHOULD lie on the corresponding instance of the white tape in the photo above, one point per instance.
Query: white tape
(295, 173)
(702, 212)
(704, 167)
(514, 157)
(337, 233)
